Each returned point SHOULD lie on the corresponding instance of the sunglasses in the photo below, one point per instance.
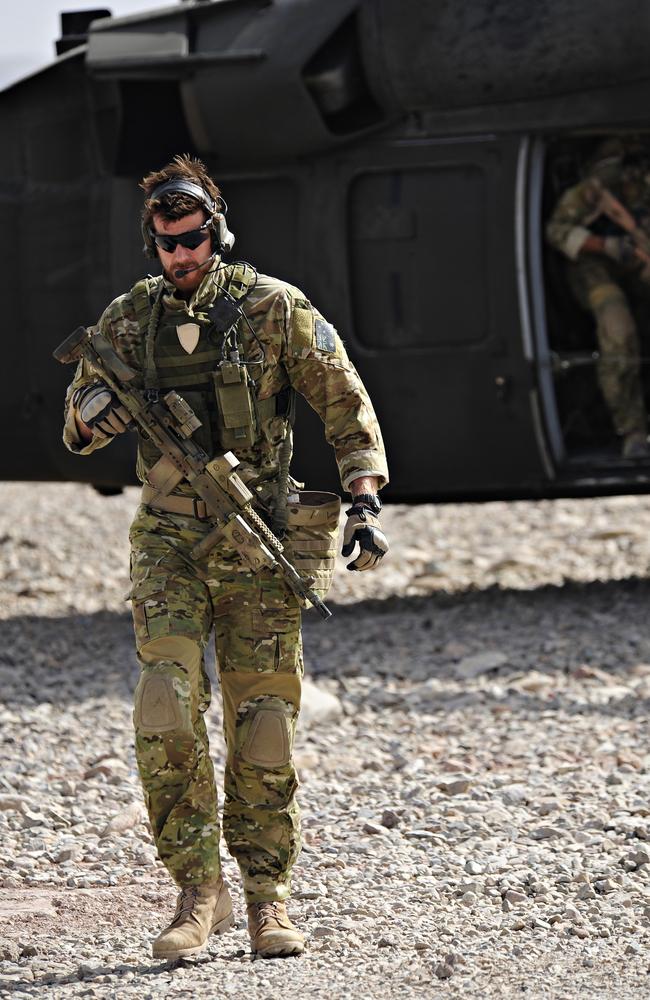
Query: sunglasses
(190, 240)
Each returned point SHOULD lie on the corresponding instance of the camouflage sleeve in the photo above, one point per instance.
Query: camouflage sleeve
(568, 227)
(119, 325)
(320, 370)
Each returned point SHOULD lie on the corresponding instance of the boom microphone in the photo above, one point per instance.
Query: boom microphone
(188, 270)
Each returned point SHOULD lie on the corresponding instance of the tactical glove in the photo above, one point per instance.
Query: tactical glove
(621, 249)
(98, 407)
(363, 527)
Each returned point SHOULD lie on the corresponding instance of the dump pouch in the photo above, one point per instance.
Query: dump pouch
(311, 538)
(237, 423)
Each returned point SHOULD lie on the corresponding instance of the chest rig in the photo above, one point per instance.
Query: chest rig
(215, 379)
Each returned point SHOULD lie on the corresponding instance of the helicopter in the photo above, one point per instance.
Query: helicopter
(396, 161)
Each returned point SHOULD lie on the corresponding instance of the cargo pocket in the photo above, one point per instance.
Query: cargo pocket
(276, 642)
(150, 609)
(311, 538)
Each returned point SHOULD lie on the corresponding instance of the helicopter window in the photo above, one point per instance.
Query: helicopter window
(417, 251)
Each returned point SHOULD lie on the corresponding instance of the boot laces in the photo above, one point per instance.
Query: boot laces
(186, 901)
(267, 911)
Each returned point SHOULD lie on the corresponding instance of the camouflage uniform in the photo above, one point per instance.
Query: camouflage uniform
(177, 601)
(604, 286)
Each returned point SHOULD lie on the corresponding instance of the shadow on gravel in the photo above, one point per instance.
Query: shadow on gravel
(37, 986)
(70, 659)
(143, 974)
(550, 629)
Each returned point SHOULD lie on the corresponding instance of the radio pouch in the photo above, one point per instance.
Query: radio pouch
(237, 423)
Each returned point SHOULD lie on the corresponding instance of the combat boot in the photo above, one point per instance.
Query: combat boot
(272, 933)
(201, 910)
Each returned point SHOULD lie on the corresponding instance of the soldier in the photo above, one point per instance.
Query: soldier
(605, 272)
(168, 328)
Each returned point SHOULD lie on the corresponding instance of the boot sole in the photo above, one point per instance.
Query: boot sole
(221, 927)
(280, 950)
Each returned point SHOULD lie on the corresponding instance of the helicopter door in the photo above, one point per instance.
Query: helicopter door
(436, 318)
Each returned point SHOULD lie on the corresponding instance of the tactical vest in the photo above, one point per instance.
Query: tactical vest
(220, 393)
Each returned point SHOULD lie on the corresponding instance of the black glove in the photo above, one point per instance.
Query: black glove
(363, 527)
(98, 407)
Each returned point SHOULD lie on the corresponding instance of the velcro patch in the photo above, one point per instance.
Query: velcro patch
(302, 330)
(325, 336)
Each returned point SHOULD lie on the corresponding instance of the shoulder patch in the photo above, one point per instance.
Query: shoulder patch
(302, 332)
(325, 336)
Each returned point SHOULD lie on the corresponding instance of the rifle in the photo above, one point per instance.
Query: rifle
(168, 422)
(614, 209)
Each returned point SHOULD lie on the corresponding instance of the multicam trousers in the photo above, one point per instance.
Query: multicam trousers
(176, 603)
(610, 292)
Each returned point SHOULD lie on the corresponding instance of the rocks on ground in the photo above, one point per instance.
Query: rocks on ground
(474, 761)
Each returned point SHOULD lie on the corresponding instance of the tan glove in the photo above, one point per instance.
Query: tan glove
(363, 527)
(98, 407)
(621, 249)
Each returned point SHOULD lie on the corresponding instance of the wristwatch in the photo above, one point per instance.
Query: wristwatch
(369, 500)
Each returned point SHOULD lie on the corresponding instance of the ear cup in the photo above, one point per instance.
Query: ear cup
(225, 239)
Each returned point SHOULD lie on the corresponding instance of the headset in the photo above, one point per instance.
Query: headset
(222, 239)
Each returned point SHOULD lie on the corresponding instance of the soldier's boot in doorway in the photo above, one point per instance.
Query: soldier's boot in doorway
(635, 445)
(201, 910)
(272, 933)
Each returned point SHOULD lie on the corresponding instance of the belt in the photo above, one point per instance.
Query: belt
(188, 506)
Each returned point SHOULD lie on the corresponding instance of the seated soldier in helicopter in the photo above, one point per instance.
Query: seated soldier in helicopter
(602, 226)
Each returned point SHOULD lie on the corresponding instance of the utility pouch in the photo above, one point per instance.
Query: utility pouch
(311, 538)
(237, 423)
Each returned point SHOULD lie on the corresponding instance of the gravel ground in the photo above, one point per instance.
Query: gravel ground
(474, 762)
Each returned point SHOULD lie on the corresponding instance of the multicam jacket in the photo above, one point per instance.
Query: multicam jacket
(289, 346)
(577, 214)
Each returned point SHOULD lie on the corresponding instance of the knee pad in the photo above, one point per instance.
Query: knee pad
(264, 731)
(166, 693)
(602, 294)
